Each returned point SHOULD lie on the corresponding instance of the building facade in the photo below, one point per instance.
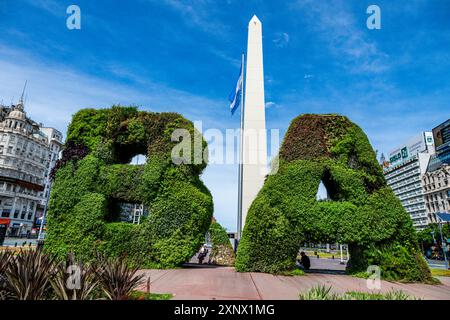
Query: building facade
(436, 186)
(25, 158)
(406, 167)
(436, 181)
(55, 142)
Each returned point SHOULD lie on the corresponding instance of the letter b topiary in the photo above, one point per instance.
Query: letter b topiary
(94, 176)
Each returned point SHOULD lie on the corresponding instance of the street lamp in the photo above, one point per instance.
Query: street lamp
(442, 245)
(442, 218)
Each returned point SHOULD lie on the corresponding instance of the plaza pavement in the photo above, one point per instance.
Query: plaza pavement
(224, 283)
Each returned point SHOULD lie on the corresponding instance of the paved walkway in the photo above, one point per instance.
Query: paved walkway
(225, 283)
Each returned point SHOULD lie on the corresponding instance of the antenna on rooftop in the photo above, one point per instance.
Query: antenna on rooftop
(23, 92)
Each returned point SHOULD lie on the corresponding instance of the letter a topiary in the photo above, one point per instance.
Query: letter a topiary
(362, 212)
(94, 177)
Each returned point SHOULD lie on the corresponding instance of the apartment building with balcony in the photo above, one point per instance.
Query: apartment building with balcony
(436, 186)
(406, 167)
(25, 152)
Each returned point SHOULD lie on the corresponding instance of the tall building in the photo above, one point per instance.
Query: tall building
(25, 152)
(55, 142)
(407, 165)
(436, 181)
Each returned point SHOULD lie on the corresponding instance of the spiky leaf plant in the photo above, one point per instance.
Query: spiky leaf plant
(116, 279)
(28, 275)
(74, 280)
(5, 257)
(319, 292)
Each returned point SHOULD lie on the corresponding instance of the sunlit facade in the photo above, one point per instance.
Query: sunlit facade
(25, 159)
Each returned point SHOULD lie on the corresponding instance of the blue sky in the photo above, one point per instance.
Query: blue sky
(164, 55)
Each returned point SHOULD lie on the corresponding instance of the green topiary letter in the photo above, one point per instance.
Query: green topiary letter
(362, 212)
(94, 175)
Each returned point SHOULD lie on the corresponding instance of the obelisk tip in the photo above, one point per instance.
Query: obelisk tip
(254, 20)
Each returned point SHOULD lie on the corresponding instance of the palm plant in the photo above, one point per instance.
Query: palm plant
(74, 280)
(5, 257)
(116, 279)
(27, 275)
(319, 292)
(398, 295)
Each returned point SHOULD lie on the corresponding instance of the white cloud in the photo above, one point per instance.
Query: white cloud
(200, 14)
(343, 34)
(270, 104)
(281, 39)
(51, 6)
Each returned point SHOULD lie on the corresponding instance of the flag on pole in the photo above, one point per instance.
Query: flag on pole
(235, 96)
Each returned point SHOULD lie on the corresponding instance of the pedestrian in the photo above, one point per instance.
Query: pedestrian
(304, 262)
(201, 255)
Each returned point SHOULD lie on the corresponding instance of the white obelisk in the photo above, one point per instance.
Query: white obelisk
(254, 142)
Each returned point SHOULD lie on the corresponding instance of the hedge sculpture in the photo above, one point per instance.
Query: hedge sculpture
(363, 211)
(94, 176)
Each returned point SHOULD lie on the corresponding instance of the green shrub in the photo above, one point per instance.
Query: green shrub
(218, 234)
(362, 212)
(222, 252)
(88, 184)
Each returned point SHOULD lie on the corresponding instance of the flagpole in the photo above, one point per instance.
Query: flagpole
(241, 142)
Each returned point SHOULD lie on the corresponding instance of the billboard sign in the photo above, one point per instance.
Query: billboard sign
(441, 135)
(411, 148)
(429, 140)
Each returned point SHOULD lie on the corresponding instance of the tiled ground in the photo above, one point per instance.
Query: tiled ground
(225, 283)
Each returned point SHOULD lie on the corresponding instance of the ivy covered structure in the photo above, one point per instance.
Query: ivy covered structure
(362, 212)
(94, 175)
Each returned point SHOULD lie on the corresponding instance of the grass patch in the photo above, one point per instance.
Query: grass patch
(432, 281)
(440, 272)
(324, 255)
(362, 274)
(139, 295)
(295, 272)
(324, 293)
(392, 295)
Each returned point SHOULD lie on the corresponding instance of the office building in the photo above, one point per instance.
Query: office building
(407, 165)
